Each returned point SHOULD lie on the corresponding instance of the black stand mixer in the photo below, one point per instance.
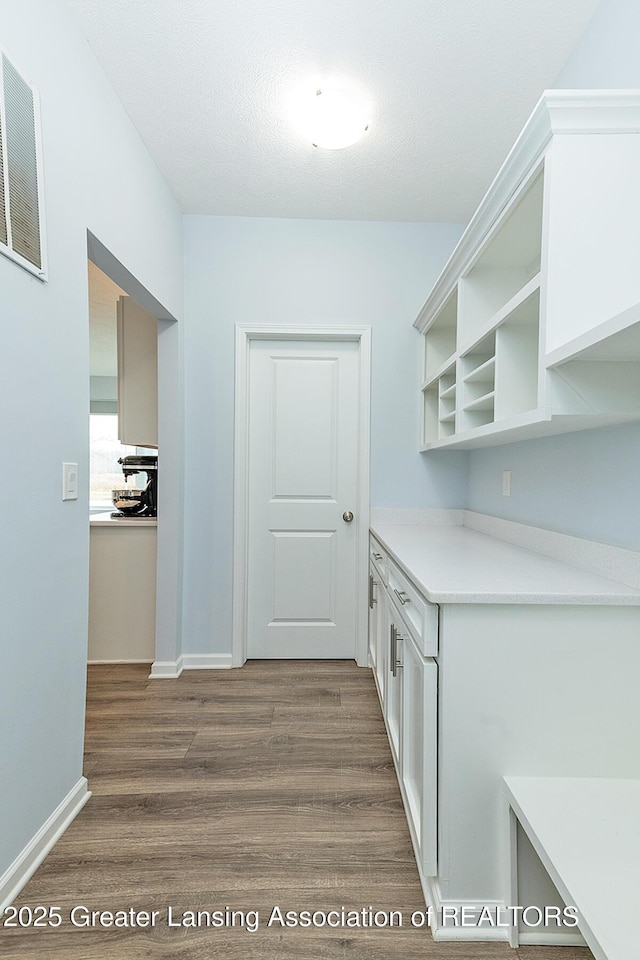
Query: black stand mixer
(137, 504)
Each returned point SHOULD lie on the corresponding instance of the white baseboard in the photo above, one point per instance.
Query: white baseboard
(549, 939)
(207, 661)
(103, 663)
(448, 931)
(171, 669)
(166, 669)
(29, 859)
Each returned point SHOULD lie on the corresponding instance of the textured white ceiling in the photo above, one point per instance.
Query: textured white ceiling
(207, 83)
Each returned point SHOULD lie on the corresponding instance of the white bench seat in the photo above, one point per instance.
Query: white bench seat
(586, 832)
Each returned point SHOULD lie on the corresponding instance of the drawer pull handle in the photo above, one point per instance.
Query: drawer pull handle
(402, 597)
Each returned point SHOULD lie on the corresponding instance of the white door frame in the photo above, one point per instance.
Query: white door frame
(245, 333)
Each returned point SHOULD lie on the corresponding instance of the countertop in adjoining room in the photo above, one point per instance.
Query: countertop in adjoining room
(106, 520)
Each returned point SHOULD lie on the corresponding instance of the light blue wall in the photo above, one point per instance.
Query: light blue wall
(97, 176)
(607, 54)
(243, 270)
(584, 483)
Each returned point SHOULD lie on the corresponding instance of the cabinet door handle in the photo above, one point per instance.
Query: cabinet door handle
(377, 556)
(402, 597)
(372, 599)
(394, 663)
(392, 651)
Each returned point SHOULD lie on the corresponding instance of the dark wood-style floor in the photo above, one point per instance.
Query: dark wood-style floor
(269, 785)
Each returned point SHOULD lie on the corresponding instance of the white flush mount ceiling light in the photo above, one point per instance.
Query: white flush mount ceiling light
(332, 118)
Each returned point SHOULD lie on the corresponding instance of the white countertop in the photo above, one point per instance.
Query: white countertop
(106, 520)
(587, 829)
(455, 564)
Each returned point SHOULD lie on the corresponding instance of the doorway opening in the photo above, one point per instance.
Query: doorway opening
(166, 643)
(123, 434)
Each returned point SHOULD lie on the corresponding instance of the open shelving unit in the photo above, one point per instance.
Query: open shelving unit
(440, 341)
(481, 349)
(479, 384)
(439, 399)
(509, 259)
(511, 349)
(517, 365)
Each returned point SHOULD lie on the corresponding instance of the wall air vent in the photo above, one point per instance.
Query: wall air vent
(21, 220)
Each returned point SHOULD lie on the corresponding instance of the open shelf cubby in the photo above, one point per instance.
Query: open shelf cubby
(430, 402)
(440, 338)
(473, 417)
(506, 263)
(439, 407)
(478, 383)
(517, 360)
(447, 402)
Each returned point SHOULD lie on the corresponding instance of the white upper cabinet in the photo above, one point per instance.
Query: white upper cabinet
(533, 327)
(137, 375)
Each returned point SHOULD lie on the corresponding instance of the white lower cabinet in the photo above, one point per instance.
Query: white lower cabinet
(381, 658)
(374, 593)
(122, 565)
(418, 761)
(410, 712)
(475, 692)
(378, 628)
(393, 684)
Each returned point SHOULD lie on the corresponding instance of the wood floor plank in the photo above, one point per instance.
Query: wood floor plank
(270, 785)
(163, 743)
(234, 776)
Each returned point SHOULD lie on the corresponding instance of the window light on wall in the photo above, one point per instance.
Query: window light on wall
(21, 220)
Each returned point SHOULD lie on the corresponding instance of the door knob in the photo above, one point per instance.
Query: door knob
(347, 516)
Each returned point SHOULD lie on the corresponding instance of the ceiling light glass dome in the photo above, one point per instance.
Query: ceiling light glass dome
(332, 118)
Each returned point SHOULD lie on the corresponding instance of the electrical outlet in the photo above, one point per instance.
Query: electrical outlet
(506, 483)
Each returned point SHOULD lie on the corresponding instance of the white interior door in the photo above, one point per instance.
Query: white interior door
(302, 591)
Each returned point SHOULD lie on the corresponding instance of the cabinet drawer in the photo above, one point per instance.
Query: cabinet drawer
(378, 558)
(419, 616)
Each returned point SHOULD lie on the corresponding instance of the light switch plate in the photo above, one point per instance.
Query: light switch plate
(69, 481)
(506, 483)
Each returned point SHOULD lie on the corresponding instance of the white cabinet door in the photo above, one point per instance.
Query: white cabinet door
(419, 753)
(393, 683)
(374, 594)
(382, 656)
(137, 375)
(377, 630)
